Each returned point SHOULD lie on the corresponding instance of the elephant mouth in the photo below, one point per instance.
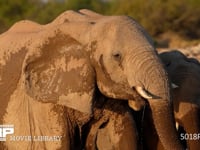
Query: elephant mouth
(137, 104)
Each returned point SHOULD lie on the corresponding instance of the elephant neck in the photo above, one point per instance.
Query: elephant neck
(112, 89)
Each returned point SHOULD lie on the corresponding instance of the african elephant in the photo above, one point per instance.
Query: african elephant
(185, 72)
(61, 65)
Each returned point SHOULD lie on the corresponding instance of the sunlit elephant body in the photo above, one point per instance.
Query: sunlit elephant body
(47, 70)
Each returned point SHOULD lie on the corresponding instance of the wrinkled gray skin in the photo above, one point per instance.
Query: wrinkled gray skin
(185, 72)
(86, 50)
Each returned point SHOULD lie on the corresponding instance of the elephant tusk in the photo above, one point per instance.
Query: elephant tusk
(174, 86)
(177, 125)
(143, 92)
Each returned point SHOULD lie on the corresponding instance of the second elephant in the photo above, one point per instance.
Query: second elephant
(185, 73)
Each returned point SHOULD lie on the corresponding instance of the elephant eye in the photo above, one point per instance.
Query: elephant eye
(117, 56)
(168, 64)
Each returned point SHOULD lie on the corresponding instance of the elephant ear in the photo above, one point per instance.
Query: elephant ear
(61, 74)
(193, 60)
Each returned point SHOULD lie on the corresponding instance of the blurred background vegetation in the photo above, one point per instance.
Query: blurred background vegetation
(161, 18)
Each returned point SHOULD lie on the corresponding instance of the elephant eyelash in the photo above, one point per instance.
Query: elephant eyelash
(117, 56)
(168, 64)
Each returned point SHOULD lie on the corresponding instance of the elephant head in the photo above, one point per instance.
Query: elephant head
(113, 54)
(185, 72)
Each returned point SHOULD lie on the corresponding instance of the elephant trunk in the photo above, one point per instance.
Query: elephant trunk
(162, 108)
(153, 79)
(164, 124)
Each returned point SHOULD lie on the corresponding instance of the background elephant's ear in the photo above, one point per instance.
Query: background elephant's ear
(61, 74)
(193, 60)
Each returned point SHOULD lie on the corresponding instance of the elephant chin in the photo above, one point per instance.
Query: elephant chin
(136, 105)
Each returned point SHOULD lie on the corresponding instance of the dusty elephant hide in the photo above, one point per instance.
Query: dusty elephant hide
(112, 127)
(66, 61)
